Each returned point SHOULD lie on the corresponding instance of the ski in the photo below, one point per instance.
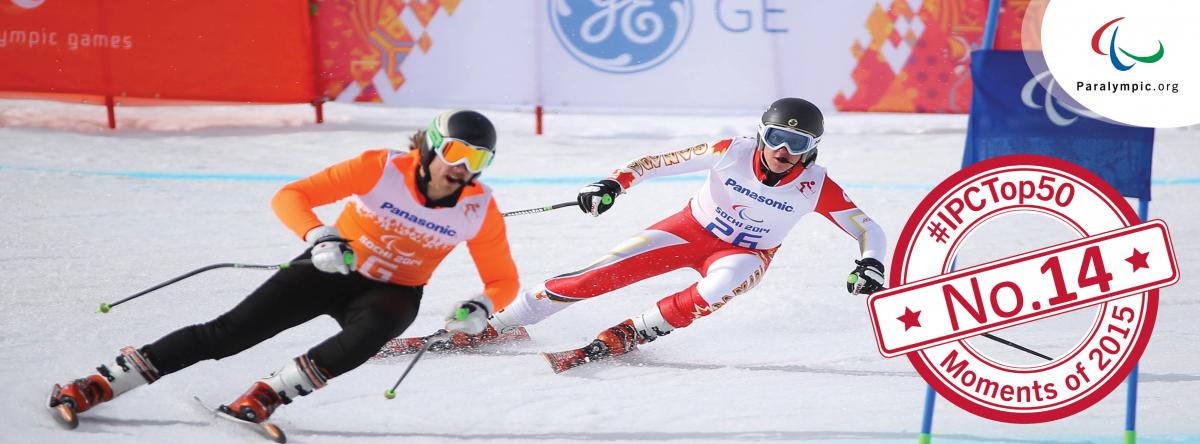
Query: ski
(66, 416)
(407, 346)
(622, 338)
(266, 429)
(63, 412)
(566, 360)
(403, 346)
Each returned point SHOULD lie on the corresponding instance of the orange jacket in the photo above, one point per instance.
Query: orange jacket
(394, 236)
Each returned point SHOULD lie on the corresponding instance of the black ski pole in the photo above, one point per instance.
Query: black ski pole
(541, 209)
(105, 307)
(1016, 346)
(391, 393)
(1009, 343)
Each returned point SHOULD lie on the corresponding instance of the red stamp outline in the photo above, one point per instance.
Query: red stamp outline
(1029, 316)
(1086, 395)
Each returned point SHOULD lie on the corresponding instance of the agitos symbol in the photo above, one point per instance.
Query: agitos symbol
(1112, 48)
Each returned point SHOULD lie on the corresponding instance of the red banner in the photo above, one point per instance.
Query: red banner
(223, 50)
(918, 59)
(361, 38)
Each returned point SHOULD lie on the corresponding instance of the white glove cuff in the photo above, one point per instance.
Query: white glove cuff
(486, 301)
(319, 232)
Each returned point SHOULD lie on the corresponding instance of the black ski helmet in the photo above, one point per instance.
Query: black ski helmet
(800, 114)
(466, 125)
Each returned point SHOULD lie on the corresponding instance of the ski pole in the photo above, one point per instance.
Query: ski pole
(1016, 346)
(460, 314)
(547, 208)
(1005, 341)
(105, 307)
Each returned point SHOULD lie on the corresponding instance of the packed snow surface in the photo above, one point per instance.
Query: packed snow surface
(90, 215)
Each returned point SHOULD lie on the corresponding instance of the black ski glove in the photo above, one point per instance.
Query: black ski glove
(866, 278)
(598, 197)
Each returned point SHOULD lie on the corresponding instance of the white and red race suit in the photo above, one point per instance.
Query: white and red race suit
(728, 232)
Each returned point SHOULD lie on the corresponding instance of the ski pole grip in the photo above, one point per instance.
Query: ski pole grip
(290, 264)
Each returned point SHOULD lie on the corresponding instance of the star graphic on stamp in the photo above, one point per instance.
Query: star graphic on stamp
(1138, 260)
(910, 318)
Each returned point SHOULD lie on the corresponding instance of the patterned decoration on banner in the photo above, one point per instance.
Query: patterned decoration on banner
(1012, 16)
(916, 55)
(361, 38)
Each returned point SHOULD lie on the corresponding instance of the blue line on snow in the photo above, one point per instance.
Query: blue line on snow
(1177, 181)
(151, 175)
(530, 180)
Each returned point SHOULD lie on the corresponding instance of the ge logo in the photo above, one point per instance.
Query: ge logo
(621, 36)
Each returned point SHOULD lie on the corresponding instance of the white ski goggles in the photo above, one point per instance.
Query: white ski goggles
(797, 142)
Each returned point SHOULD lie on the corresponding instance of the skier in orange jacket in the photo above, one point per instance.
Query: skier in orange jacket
(405, 212)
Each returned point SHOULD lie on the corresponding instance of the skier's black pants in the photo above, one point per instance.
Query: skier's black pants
(369, 312)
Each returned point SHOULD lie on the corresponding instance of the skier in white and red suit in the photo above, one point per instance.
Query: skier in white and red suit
(757, 189)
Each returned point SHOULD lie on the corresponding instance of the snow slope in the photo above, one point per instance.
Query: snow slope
(90, 215)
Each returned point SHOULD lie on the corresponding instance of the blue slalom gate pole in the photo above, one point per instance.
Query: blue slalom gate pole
(1131, 382)
(927, 417)
(1131, 406)
(989, 29)
(930, 396)
(989, 42)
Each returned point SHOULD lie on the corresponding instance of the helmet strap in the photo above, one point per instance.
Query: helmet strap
(423, 174)
(771, 178)
(809, 158)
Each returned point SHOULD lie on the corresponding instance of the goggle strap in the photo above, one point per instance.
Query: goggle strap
(434, 136)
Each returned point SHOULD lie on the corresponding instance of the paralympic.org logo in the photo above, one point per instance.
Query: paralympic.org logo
(1111, 57)
(1124, 84)
(1113, 48)
(621, 36)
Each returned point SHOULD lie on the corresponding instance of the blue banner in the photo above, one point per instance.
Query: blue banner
(1012, 113)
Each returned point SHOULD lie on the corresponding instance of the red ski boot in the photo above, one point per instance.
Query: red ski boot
(617, 340)
(130, 370)
(298, 378)
(77, 397)
(256, 405)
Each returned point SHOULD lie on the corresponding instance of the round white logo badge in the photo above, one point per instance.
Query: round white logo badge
(1130, 62)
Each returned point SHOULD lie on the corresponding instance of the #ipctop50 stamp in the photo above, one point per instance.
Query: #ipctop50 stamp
(1118, 264)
